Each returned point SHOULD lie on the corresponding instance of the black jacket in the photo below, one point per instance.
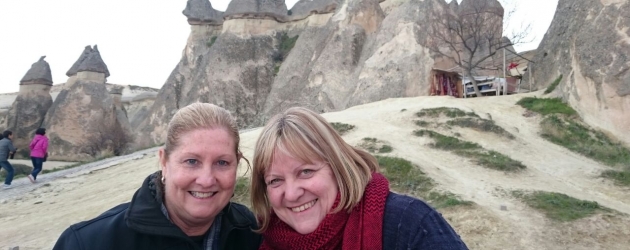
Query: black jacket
(141, 224)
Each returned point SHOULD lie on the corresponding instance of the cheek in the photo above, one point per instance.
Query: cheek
(274, 195)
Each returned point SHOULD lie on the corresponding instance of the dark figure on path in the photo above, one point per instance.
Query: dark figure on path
(7, 150)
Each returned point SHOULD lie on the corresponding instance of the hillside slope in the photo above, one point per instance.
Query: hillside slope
(496, 220)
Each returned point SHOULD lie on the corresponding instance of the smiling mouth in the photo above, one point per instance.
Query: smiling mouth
(304, 207)
(202, 195)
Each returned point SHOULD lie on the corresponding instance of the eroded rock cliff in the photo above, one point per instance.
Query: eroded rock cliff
(588, 43)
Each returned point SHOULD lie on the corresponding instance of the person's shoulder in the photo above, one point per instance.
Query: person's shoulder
(82, 234)
(410, 223)
(103, 221)
(240, 215)
(403, 206)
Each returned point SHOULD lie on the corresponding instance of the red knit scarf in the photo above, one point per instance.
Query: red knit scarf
(360, 229)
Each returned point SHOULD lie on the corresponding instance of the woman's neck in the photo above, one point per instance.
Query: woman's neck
(191, 229)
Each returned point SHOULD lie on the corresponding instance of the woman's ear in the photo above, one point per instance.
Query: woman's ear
(162, 160)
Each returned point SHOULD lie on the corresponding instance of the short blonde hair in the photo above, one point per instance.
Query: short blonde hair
(305, 135)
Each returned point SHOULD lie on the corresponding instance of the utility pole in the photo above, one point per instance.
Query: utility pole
(504, 75)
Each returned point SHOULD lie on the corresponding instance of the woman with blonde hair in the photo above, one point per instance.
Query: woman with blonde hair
(311, 190)
(186, 204)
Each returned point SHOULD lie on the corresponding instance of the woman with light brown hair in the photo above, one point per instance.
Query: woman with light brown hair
(186, 204)
(311, 190)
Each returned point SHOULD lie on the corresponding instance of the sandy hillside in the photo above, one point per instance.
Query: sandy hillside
(51, 206)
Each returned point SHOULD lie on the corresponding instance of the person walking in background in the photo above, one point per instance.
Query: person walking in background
(7, 149)
(39, 149)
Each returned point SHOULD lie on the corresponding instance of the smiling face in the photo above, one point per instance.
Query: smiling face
(200, 174)
(301, 194)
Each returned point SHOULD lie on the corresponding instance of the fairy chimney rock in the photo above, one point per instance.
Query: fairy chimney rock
(93, 63)
(38, 74)
(75, 67)
(304, 8)
(256, 9)
(201, 12)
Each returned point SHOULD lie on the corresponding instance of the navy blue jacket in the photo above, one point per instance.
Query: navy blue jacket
(141, 224)
(410, 223)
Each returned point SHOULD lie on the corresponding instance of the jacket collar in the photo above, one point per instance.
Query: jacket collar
(145, 215)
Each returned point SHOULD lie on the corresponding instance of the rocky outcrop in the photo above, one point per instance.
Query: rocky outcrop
(256, 9)
(93, 63)
(38, 74)
(588, 43)
(304, 8)
(75, 67)
(31, 104)
(399, 64)
(200, 12)
(321, 73)
(233, 71)
(83, 116)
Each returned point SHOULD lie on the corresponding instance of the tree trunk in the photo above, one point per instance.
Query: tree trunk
(474, 83)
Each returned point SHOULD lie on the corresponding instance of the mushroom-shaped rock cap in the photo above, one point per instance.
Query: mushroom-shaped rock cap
(472, 5)
(201, 12)
(94, 63)
(304, 8)
(276, 9)
(74, 69)
(40, 70)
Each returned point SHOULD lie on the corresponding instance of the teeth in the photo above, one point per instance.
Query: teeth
(304, 207)
(202, 195)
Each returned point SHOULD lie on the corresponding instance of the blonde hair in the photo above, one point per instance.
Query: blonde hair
(305, 135)
(199, 116)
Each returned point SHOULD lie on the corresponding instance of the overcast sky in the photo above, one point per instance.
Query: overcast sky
(141, 41)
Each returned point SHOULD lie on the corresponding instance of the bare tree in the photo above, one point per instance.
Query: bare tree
(470, 35)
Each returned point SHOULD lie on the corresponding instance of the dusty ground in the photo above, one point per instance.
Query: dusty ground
(59, 201)
(47, 165)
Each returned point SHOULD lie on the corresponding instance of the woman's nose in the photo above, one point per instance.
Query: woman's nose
(206, 178)
(293, 191)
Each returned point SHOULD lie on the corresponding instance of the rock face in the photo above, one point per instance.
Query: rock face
(82, 110)
(201, 12)
(232, 71)
(588, 43)
(398, 64)
(30, 106)
(304, 8)
(324, 61)
(256, 9)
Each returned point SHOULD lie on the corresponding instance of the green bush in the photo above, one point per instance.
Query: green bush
(211, 42)
(546, 106)
(560, 207)
(341, 128)
(553, 85)
(406, 178)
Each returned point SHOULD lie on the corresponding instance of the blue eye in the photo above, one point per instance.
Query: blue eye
(273, 181)
(306, 171)
(191, 161)
(223, 163)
